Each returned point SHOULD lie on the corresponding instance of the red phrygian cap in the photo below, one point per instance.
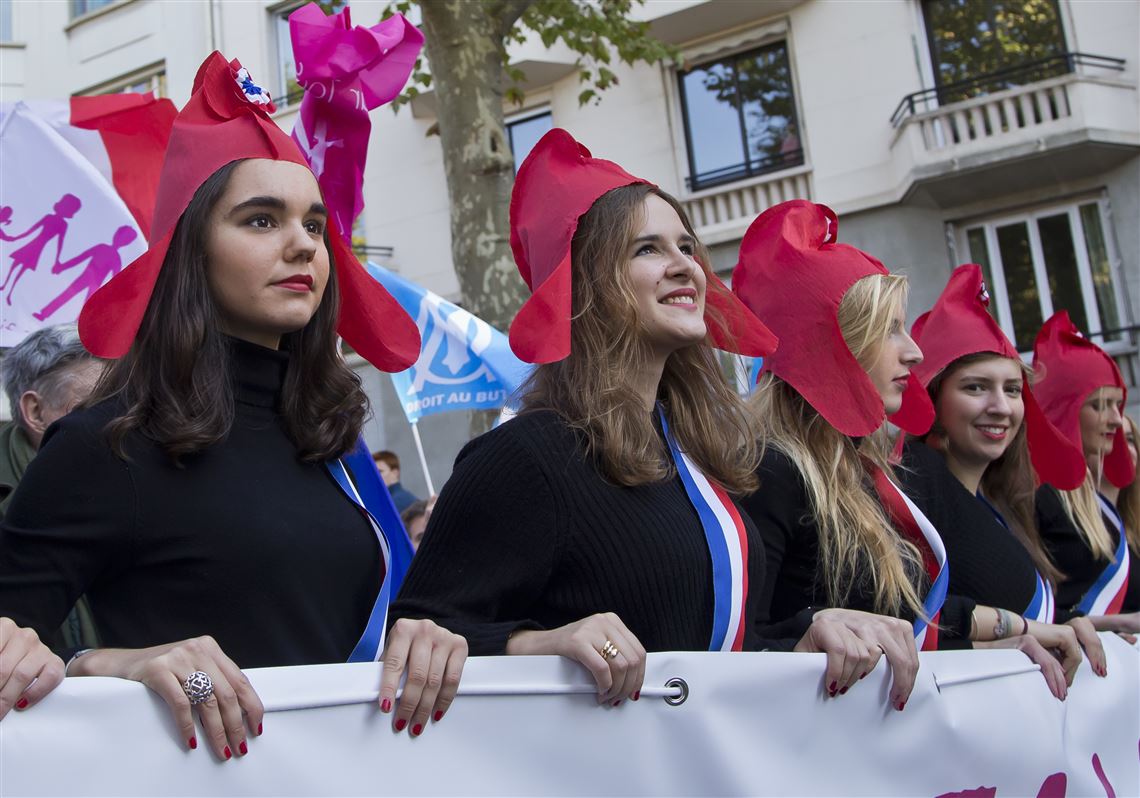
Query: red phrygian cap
(793, 275)
(1069, 368)
(959, 325)
(227, 119)
(557, 183)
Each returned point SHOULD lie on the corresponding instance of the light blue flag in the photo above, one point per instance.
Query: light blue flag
(464, 363)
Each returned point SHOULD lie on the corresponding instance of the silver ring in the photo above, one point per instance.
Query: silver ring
(609, 650)
(198, 687)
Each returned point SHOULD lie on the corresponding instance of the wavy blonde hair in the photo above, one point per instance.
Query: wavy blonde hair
(1009, 481)
(1128, 501)
(854, 531)
(1084, 511)
(592, 388)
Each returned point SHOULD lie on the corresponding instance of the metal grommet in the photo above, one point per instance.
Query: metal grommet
(677, 700)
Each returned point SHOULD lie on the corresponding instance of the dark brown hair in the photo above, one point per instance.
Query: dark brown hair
(1009, 481)
(175, 381)
(591, 388)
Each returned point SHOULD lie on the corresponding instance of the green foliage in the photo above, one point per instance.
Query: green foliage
(594, 30)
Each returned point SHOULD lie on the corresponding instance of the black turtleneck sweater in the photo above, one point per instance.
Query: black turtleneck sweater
(528, 534)
(243, 542)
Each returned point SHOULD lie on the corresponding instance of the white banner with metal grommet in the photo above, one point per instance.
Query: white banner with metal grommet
(979, 723)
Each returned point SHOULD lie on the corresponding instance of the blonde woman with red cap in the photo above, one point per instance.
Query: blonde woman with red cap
(1082, 393)
(1126, 500)
(975, 472)
(598, 524)
(838, 531)
(199, 499)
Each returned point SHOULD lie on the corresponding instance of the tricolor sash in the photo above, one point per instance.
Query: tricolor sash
(1041, 606)
(1106, 595)
(371, 643)
(728, 547)
(916, 527)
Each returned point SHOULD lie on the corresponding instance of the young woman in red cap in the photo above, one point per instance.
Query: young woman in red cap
(1082, 393)
(975, 472)
(838, 531)
(199, 499)
(597, 523)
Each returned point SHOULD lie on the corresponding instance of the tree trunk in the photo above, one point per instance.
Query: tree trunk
(463, 39)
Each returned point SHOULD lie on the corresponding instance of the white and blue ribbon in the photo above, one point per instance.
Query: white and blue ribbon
(728, 547)
(371, 643)
(1107, 592)
(939, 587)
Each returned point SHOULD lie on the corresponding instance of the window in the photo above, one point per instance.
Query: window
(81, 7)
(980, 46)
(740, 117)
(1052, 259)
(524, 131)
(152, 79)
(5, 20)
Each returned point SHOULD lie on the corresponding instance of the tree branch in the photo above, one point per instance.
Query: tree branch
(509, 12)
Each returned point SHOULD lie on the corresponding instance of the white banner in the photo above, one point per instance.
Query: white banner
(980, 723)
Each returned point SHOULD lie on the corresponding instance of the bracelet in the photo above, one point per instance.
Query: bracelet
(1000, 626)
(1025, 627)
(74, 657)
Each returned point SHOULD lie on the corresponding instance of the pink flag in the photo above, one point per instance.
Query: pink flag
(346, 72)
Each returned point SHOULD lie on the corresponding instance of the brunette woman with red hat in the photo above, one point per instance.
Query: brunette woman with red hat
(838, 531)
(975, 472)
(598, 524)
(1082, 393)
(198, 498)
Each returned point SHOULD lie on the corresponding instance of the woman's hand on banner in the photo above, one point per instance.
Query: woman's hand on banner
(854, 641)
(1061, 640)
(433, 658)
(602, 644)
(1089, 640)
(188, 675)
(1051, 668)
(28, 668)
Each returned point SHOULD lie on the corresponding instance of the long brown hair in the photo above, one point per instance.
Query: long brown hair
(175, 382)
(854, 531)
(1128, 500)
(1009, 481)
(591, 389)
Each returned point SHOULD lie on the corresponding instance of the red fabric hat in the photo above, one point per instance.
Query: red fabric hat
(557, 183)
(225, 120)
(959, 325)
(793, 275)
(1069, 368)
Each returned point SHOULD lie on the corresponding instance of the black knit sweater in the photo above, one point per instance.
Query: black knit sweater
(987, 563)
(527, 534)
(782, 512)
(244, 542)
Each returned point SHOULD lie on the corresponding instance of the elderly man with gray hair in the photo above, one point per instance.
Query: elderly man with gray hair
(45, 376)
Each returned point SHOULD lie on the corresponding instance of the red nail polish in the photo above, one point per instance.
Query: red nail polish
(864, 676)
(243, 748)
(438, 716)
(22, 703)
(417, 730)
(636, 695)
(617, 703)
(192, 742)
(843, 691)
(259, 732)
(832, 687)
(226, 752)
(386, 705)
(902, 706)
(400, 724)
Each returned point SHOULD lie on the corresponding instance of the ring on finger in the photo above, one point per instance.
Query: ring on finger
(198, 687)
(608, 650)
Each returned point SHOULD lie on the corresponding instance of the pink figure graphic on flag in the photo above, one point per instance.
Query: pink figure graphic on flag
(104, 262)
(5, 218)
(27, 257)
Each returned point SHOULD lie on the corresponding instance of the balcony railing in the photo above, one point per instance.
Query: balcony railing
(724, 213)
(750, 168)
(1020, 75)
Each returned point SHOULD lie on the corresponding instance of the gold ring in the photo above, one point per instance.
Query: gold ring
(608, 650)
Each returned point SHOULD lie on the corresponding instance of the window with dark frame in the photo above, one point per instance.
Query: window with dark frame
(982, 46)
(524, 132)
(740, 117)
(81, 7)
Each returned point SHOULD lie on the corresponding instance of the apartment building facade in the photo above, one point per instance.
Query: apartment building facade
(941, 131)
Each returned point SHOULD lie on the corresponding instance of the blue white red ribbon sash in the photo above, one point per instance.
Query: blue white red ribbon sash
(1041, 606)
(916, 527)
(728, 547)
(371, 643)
(1106, 595)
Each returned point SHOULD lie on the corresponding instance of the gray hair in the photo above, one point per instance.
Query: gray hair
(39, 363)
